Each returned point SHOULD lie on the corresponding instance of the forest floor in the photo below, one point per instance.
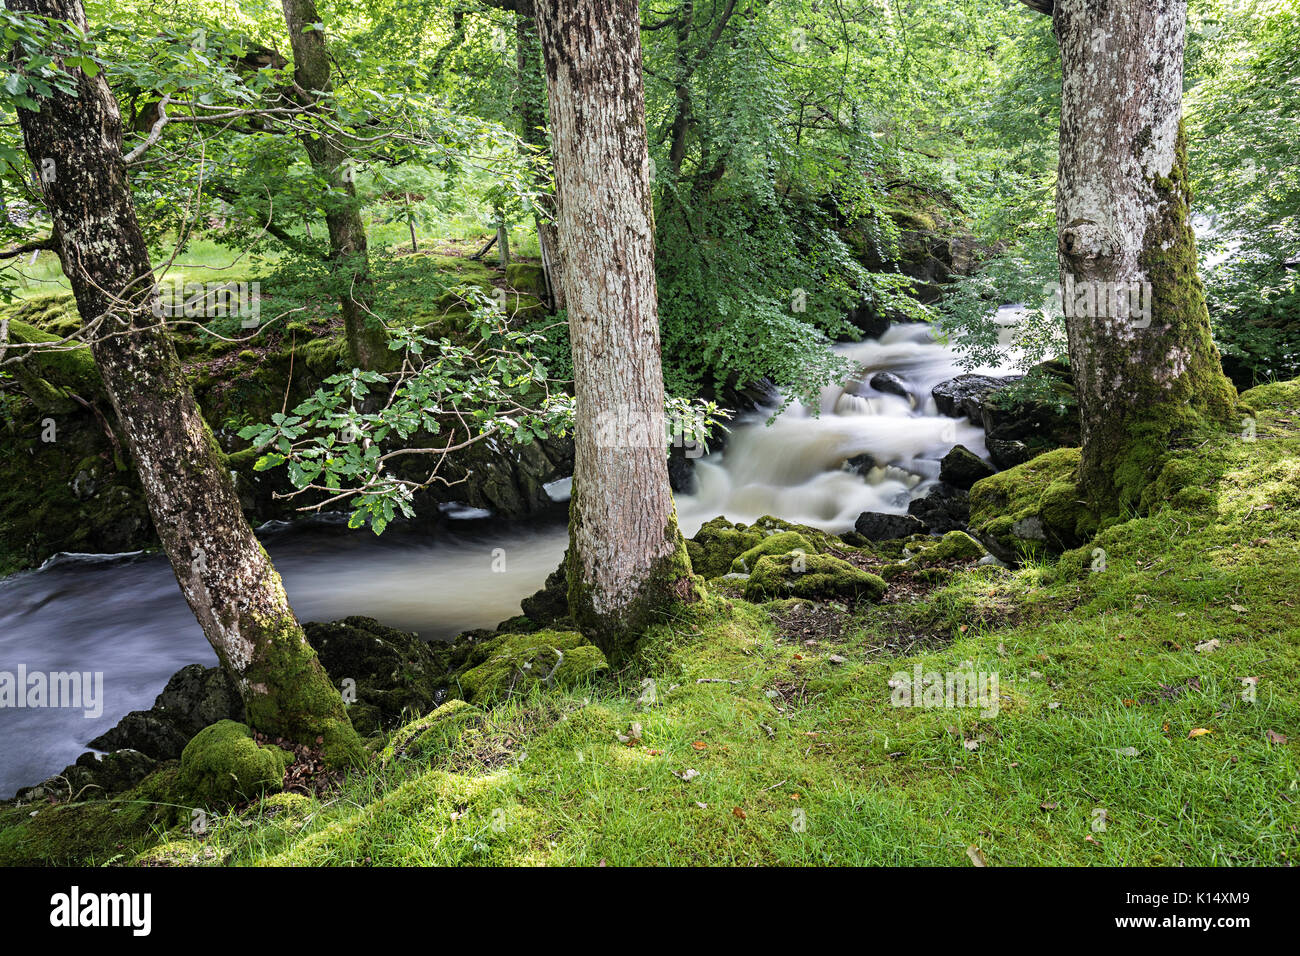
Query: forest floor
(1146, 714)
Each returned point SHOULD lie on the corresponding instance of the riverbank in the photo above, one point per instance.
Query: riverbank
(1145, 714)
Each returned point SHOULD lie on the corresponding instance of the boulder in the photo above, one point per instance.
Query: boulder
(551, 603)
(195, 696)
(878, 526)
(223, 764)
(890, 383)
(961, 467)
(93, 777)
(681, 471)
(965, 394)
(1032, 509)
(867, 318)
(432, 734)
(717, 544)
(510, 664)
(861, 464)
(818, 577)
(396, 675)
(783, 542)
(1007, 453)
(945, 508)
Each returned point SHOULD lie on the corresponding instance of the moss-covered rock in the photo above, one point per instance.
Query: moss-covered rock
(431, 735)
(512, 663)
(393, 673)
(717, 544)
(783, 542)
(955, 546)
(92, 832)
(224, 765)
(1032, 509)
(817, 577)
(527, 278)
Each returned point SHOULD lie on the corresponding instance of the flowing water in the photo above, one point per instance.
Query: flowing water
(123, 615)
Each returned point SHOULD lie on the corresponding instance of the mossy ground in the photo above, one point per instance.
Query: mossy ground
(800, 759)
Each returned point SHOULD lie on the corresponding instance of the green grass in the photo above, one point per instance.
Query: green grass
(1100, 684)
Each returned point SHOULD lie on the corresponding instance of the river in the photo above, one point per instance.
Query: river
(123, 615)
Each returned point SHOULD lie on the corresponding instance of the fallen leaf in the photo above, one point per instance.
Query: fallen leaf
(836, 659)
(686, 775)
(738, 813)
(976, 856)
(1198, 732)
(700, 745)
(1208, 647)
(1048, 806)
(1238, 608)
(1275, 738)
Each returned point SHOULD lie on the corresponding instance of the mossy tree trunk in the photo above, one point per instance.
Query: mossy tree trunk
(349, 255)
(1147, 372)
(221, 567)
(627, 560)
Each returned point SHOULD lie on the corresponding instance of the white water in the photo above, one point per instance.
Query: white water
(794, 469)
(124, 615)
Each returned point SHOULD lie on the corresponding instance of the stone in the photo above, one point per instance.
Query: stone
(890, 383)
(817, 577)
(944, 508)
(878, 526)
(194, 697)
(961, 467)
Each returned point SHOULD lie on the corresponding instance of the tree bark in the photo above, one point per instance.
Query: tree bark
(221, 567)
(349, 256)
(1146, 370)
(627, 562)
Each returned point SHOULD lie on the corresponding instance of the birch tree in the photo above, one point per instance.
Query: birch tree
(367, 341)
(75, 138)
(1147, 372)
(627, 559)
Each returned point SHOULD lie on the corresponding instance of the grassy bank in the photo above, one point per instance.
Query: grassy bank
(1123, 735)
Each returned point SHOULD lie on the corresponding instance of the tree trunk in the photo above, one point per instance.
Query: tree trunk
(1147, 373)
(367, 340)
(532, 130)
(627, 562)
(221, 567)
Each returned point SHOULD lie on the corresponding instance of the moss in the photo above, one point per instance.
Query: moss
(304, 706)
(1128, 446)
(512, 663)
(222, 765)
(1033, 508)
(431, 735)
(94, 832)
(324, 356)
(1274, 394)
(953, 546)
(717, 544)
(782, 542)
(527, 278)
(50, 377)
(812, 576)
